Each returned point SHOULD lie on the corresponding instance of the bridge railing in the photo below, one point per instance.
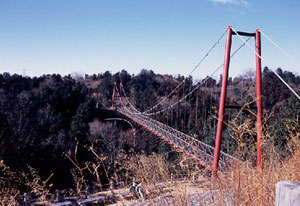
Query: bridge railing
(187, 144)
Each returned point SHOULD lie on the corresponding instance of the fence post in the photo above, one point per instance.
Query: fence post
(287, 193)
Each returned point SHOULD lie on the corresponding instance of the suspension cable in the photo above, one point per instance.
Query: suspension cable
(200, 84)
(133, 107)
(281, 49)
(123, 105)
(200, 62)
(266, 62)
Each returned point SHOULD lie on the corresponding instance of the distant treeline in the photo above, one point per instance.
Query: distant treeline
(44, 119)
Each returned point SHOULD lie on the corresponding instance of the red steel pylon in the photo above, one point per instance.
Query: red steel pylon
(223, 96)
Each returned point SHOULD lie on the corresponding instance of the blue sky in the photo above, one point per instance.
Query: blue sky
(166, 36)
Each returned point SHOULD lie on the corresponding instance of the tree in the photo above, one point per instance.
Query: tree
(287, 117)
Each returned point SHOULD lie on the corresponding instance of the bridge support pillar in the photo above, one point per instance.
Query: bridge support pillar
(113, 96)
(258, 99)
(223, 97)
(121, 88)
(222, 101)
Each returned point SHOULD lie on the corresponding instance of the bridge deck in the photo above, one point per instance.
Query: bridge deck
(198, 150)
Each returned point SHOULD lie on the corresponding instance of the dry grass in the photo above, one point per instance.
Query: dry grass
(12, 182)
(163, 182)
(8, 191)
(161, 185)
(242, 184)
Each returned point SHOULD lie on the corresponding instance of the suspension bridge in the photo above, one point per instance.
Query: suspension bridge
(207, 156)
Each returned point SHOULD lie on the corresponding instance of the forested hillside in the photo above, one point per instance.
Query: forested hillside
(46, 121)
